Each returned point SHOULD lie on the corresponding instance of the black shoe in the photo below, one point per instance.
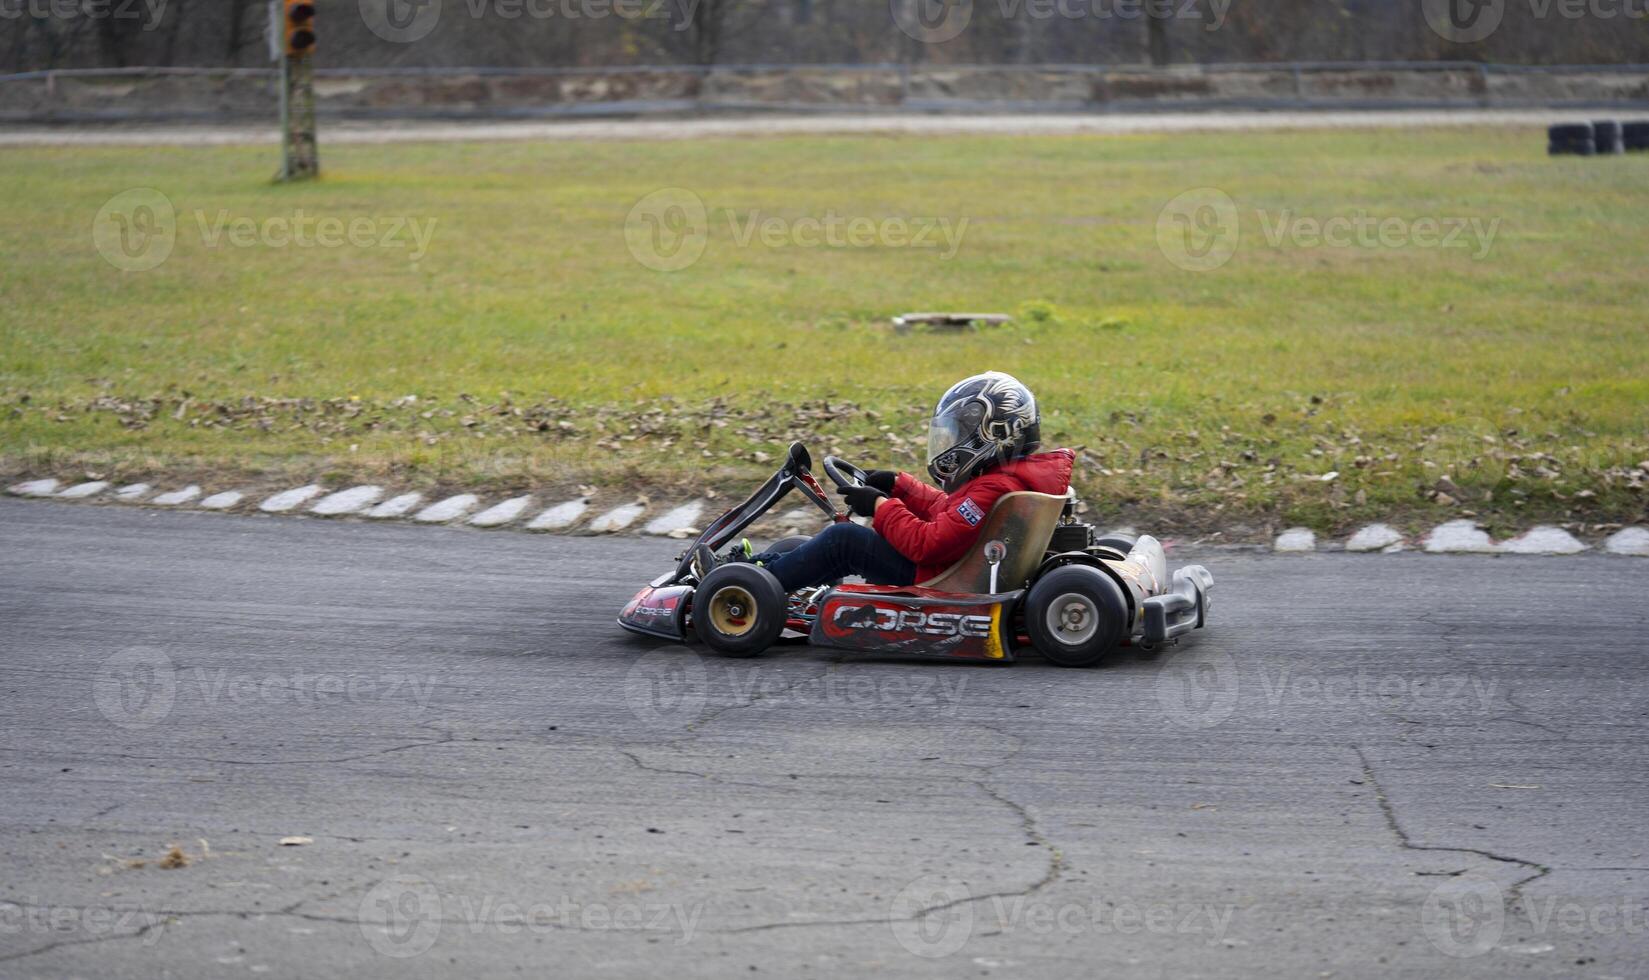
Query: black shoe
(706, 561)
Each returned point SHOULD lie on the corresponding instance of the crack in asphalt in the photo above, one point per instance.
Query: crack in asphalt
(761, 696)
(1389, 810)
(1027, 821)
(1028, 824)
(163, 916)
(250, 762)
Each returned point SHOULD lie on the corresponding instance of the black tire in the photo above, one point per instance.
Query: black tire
(1121, 542)
(1571, 139)
(1606, 136)
(739, 610)
(1076, 615)
(1635, 136)
(789, 543)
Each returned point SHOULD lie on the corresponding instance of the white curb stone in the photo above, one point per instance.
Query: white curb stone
(351, 501)
(500, 514)
(1296, 539)
(560, 516)
(177, 497)
(288, 500)
(449, 509)
(1628, 541)
(132, 492)
(1462, 536)
(1544, 540)
(80, 491)
(1375, 537)
(33, 488)
(395, 506)
(616, 519)
(675, 519)
(223, 501)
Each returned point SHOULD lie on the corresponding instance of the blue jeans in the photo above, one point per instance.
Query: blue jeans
(836, 552)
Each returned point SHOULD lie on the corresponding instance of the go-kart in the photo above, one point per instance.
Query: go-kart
(1037, 577)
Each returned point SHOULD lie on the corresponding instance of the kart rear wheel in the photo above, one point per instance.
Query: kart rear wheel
(739, 610)
(1121, 542)
(1075, 615)
(789, 543)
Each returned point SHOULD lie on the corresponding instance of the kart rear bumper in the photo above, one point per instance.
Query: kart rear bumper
(1183, 608)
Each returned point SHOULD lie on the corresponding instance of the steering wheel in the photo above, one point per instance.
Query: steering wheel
(842, 473)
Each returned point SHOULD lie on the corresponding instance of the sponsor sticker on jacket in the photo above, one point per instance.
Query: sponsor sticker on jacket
(970, 511)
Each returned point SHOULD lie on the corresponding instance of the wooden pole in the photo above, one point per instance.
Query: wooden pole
(300, 150)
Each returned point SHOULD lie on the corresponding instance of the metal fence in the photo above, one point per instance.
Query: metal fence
(218, 94)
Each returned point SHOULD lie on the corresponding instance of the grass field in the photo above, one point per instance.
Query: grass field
(1503, 376)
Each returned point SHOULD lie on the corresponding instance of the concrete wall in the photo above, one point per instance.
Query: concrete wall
(242, 95)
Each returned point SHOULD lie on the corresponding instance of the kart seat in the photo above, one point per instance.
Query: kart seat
(1023, 521)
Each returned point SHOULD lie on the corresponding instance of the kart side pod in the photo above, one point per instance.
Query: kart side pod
(918, 622)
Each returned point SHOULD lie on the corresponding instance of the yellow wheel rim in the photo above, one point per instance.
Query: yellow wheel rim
(733, 610)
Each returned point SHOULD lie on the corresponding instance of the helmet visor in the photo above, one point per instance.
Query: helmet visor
(953, 426)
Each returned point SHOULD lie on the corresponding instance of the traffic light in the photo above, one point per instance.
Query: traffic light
(300, 28)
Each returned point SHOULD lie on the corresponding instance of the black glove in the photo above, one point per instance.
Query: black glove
(882, 480)
(862, 500)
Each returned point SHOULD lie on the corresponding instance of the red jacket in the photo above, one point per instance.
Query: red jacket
(934, 529)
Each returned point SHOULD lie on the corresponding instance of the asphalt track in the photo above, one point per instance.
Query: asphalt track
(1369, 766)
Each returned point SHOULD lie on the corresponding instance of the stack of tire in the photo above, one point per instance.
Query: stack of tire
(1600, 137)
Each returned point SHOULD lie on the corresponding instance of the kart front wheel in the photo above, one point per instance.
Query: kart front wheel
(1075, 615)
(739, 610)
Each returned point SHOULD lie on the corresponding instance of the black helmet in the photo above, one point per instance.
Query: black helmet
(981, 421)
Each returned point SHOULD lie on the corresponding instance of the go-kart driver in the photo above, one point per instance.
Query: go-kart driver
(983, 442)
